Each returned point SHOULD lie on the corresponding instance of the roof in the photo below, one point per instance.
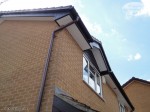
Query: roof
(62, 12)
(135, 79)
(57, 12)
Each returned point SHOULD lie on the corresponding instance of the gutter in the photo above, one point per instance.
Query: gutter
(112, 76)
(121, 90)
(45, 71)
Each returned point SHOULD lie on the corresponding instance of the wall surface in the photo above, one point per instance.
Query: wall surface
(139, 94)
(23, 48)
(67, 67)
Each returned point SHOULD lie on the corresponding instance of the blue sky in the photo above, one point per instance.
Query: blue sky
(122, 26)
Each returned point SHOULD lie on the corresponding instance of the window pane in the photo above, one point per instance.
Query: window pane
(98, 80)
(85, 69)
(92, 81)
(92, 69)
(98, 84)
(91, 76)
(98, 89)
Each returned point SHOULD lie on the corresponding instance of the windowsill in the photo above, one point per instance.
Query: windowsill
(94, 91)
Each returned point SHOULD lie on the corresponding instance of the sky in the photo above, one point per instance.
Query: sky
(121, 25)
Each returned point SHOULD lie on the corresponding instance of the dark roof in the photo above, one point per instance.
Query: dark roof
(57, 13)
(135, 79)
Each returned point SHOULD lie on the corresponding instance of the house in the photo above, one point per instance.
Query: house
(50, 63)
(138, 90)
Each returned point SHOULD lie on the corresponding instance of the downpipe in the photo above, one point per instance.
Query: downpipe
(48, 61)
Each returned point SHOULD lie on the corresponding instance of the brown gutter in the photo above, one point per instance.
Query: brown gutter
(47, 63)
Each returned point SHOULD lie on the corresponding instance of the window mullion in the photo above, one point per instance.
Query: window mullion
(92, 76)
(122, 108)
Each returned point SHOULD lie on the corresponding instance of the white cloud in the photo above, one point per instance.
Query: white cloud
(137, 56)
(146, 8)
(134, 57)
(30, 4)
(2, 1)
(93, 28)
(134, 9)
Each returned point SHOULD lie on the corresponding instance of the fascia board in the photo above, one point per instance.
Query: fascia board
(75, 32)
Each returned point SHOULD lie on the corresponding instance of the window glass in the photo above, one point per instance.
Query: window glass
(91, 76)
(92, 80)
(98, 84)
(85, 69)
(91, 69)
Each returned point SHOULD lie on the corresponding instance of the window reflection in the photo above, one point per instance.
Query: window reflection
(98, 84)
(91, 76)
(92, 80)
(85, 69)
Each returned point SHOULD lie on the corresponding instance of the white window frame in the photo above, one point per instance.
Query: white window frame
(95, 77)
(121, 108)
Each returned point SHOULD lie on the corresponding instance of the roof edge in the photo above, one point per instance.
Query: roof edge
(62, 8)
(112, 76)
(121, 90)
(135, 79)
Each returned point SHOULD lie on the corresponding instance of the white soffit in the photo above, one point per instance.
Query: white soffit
(75, 32)
(99, 59)
(27, 18)
(101, 64)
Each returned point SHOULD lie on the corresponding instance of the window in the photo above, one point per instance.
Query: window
(122, 108)
(91, 76)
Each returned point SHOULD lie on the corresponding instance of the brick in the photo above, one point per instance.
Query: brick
(23, 46)
(139, 94)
